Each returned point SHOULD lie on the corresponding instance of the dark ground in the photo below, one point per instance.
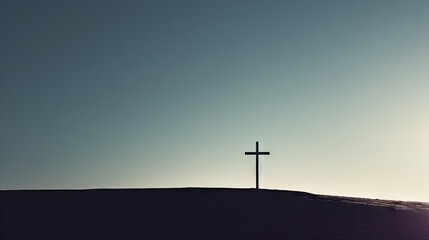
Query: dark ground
(204, 213)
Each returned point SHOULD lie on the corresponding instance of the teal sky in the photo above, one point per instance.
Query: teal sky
(139, 94)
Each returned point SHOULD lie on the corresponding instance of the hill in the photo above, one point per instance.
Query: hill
(205, 213)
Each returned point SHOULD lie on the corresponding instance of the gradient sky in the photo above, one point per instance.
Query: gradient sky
(142, 94)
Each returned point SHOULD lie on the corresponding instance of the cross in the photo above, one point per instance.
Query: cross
(257, 153)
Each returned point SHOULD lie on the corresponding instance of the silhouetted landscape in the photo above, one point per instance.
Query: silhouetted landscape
(205, 213)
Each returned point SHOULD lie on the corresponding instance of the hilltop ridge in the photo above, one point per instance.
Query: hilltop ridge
(205, 213)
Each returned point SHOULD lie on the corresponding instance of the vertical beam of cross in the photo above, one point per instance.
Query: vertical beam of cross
(257, 153)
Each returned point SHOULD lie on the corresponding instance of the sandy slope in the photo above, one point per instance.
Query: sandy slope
(199, 213)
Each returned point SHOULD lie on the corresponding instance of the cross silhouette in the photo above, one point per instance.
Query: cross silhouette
(257, 153)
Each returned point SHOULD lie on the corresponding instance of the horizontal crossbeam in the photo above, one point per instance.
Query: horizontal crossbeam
(257, 153)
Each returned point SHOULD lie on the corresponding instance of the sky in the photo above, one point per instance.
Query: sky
(156, 94)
